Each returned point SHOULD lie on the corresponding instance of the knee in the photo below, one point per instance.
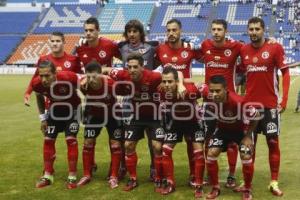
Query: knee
(89, 142)
(129, 146)
(157, 147)
(213, 152)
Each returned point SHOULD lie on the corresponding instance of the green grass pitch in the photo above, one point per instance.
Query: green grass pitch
(21, 157)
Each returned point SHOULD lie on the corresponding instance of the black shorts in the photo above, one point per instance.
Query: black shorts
(94, 125)
(134, 131)
(209, 121)
(221, 138)
(269, 125)
(240, 79)
(58, 122)
(175, 130)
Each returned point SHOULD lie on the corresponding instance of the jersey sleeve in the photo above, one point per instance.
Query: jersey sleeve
(156, 78)
(78, 67)
(116, 74)
(116, 51)
(36, 74)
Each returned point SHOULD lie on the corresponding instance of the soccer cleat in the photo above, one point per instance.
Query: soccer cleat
(71, 182)
(113, 182)
(273, 187)
(231, 182)
(131, 184)
(206, 181)
(84, 180)
(215, 192)
(94, 168)
(199, 191)
(247, 195)
(167, 188)
(122, 173)
(239, 188)
(158, 186)
(192, 182)
(44, 181)
(296, 109)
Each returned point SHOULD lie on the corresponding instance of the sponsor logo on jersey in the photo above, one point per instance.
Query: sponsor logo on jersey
(174, 59)
(255, 59)
(179, 67)
(265, 55)
(67, 64)
(184, 54)
(255, 68)
(102, 54)
(271, 128)
(216, 65)
(227, 52)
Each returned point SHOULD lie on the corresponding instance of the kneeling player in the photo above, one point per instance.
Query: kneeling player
(60, 88)
(233, 125)
(179, 117)
(98, 113)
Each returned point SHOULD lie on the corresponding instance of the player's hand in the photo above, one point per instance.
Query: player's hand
(44, 126)
(82, 41)
(272, 40)
(181, 91)
(83, 83)
(191, 45)
(27, 99)
(281, 109)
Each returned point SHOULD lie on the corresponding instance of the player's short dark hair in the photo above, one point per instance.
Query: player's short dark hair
(136, 24)
(178, 22)
(220, 21)
(136, 56)
(47, 64)
(255, 20)
(93, 20)
(218, 79)
(172, 70)
(93, 66)
(60, 34)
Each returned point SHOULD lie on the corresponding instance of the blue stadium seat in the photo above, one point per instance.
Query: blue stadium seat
(10, 43)
(17, 22)
(66, 18)
(113, 17)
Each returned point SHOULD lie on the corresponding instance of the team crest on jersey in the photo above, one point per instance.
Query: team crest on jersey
(144, 88)
(142, 51)
(67, 64)
(217, 58)
(102, 54)
(227, 52)
(265, 55)
(174, 59)
(255, 59)
(184, 54)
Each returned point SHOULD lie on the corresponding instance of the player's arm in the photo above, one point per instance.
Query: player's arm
(181, 90)
(292, 65)
(29, 89)
(41, 108)
(285, 88)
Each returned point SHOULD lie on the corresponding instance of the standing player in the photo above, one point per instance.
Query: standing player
(177, 54)
(235, 123)
(261, 62)
(180, 119)
(61, 60)
(60, 89)
(142, 84)
(98, 90)
(96, 48)
(220, 57)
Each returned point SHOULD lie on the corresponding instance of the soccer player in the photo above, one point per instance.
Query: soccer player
(60, 89)
(235, 123)
(135, 43)
(220, 56)
(141, 85)
(176, 53)
(261, 61)
(94, 47)
(180, 119)
(61, 60)
(98, 90)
